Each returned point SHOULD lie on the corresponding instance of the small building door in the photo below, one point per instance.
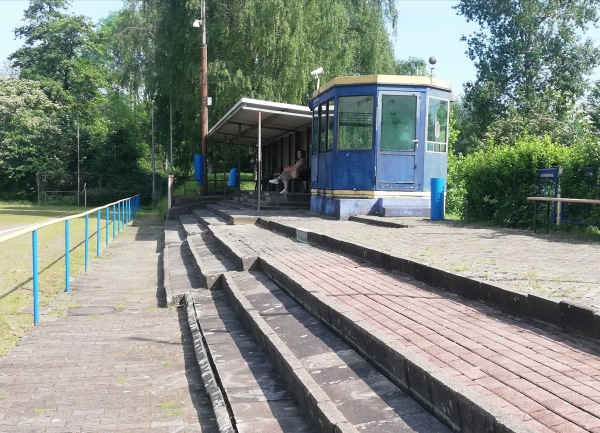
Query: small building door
(398, 139)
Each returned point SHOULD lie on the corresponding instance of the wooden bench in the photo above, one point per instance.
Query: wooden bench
(535, 201)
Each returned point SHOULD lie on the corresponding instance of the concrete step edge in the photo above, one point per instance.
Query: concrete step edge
(243, 262)
(215, 392)
(206, 218)
(210, 278)
(322, 412)
(190, 225)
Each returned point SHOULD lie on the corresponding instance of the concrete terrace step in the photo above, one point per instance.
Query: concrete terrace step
(174, 233)
(339, 389)
(178, 263)
(232, 215)
(245, 392)
(190, 225)
(404, 211)
(209, 259)
(207, 218)
(255, 395)
(477, 368)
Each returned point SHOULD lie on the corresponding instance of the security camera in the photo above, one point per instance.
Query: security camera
(432, 60)
(317, 72)
(197, 24)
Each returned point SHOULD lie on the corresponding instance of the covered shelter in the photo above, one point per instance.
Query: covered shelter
(277, 130)
(378, 142)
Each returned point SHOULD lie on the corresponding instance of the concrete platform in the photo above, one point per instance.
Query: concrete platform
(475, 366)
(489, 330)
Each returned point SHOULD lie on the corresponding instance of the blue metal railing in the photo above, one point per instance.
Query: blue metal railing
(123, 212)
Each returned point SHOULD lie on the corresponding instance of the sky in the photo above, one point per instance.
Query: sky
(425, 28)
(415, 36)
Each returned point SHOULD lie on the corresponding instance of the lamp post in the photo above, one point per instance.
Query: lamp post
(78, 161)
(203, 93)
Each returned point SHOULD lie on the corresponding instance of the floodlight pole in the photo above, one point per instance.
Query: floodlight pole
(204, 97)
(78, 172)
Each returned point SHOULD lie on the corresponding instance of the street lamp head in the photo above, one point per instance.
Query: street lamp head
(197, 24)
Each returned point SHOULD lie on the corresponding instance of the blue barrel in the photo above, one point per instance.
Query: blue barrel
(199, 168)
(233, 178)
(437, 198)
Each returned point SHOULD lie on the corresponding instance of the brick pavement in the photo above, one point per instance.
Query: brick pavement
(541, 377)
(556, 265)
(108, 357)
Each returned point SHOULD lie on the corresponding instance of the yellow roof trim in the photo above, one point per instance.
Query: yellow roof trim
(398, 80)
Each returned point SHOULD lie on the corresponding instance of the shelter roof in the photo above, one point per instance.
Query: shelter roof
(399, 80)
(278, 119)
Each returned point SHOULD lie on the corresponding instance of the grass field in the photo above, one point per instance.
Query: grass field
(16, 283)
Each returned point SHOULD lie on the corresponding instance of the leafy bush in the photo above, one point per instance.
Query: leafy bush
(581, 179)
(494, 183)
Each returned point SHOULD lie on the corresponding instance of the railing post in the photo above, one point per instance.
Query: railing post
(119, 218)
(98, 218)
(106, 228)
(36, 283)
(113, 222)
(67, 257)
(86, 256)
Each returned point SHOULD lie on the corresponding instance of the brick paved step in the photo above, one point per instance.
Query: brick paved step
(578, 319)
(474, 366)
(255, 395)
(339, 389)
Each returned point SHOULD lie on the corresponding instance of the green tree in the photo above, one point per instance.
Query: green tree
(412, 66)
(31, 137)
(530, 57)
(256, 48)
(97, 78)
(62, 51)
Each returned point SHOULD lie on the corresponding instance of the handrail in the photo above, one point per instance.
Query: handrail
(57, 220)
(123, 211)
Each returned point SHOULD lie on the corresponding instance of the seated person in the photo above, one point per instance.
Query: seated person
(292, 171)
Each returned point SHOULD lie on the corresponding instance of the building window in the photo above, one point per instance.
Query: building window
(330, 123)
(323, 128)
(315, 132)
(399, 123)
(438, 115)
(355, 122)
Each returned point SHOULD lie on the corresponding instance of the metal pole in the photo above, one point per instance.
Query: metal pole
(86, 254)
(98, 218)
(36, 283)
(170, 135)
(106, 226)
(259, 157)
(153, 160)
(67, 257)
(204, 96)
(239, 164)
(78, 176)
